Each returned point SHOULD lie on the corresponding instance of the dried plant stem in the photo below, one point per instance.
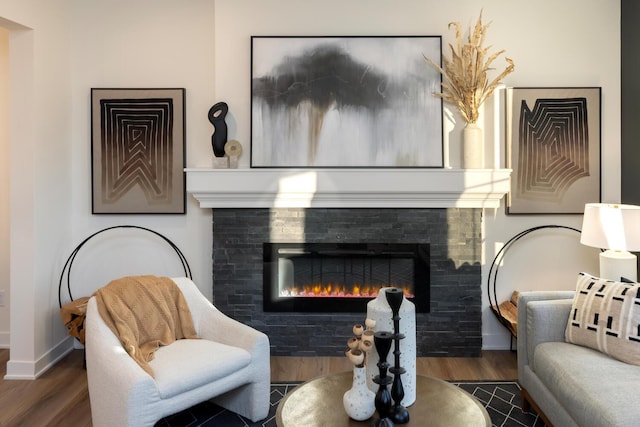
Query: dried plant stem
(465, 75)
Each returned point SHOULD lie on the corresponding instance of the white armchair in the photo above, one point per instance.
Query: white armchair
(230, 363)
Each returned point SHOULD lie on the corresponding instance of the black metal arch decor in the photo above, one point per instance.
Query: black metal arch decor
(492, 278)
(66, 270)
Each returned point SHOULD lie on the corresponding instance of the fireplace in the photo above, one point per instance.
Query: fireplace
(341, 277)
(451, 326)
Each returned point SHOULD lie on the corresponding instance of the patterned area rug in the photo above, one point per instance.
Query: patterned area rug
(502, 400)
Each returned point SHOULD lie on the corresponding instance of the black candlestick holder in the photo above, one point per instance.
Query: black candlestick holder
(382, 341)
(399, 414)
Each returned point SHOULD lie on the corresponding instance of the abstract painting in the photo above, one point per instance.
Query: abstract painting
(345, 102)
(553, 148)
(137, 146)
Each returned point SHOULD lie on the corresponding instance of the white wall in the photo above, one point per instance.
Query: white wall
(151, 44)
(568, 43)
(119, 44)
(39, 178)
(204, 46)
(4, 186)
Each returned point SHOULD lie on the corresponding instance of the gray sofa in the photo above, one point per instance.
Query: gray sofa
(567, 384)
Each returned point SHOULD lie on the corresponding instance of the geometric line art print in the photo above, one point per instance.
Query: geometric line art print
(136, 145)
(138, 150)
(553, 148)
(554, 143)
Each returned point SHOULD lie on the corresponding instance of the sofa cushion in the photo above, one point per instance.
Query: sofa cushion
(595, 389)
(605, 315)
(190, 363)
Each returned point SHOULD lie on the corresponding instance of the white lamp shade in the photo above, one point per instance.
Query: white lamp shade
(611, 226)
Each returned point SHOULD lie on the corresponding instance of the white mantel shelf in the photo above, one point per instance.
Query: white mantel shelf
(348, 188)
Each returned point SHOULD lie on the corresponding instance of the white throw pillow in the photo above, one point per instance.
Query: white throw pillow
(605, 316)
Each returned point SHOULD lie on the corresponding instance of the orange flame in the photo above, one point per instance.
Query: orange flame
(335, 290)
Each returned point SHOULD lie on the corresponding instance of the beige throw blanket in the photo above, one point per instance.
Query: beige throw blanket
(145, 312)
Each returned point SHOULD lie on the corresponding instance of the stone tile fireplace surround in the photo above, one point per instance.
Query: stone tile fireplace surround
(451, 328)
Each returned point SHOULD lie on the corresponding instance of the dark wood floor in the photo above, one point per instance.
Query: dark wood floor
(60, 396)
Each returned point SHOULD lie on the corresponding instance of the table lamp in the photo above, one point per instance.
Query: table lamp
(616, 228)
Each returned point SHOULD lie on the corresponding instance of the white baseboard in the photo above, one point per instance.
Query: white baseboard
(32, 369)
(496, 342)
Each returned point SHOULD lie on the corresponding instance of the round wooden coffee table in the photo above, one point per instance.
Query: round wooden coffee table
(318, 403)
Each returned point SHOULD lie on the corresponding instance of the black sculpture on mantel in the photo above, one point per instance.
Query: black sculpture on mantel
(399, 414)
(382, 341)
(217, 113)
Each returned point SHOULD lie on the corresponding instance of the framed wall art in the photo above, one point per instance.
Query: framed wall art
(345, 102)
(554, 149)
(138, 151)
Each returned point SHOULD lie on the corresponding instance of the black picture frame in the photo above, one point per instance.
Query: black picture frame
(138, 151)
(345, 101)
(554, 149)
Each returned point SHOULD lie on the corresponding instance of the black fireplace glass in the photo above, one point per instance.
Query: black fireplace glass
(342, 277)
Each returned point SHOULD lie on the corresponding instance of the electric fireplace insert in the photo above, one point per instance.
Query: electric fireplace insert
(342, 277)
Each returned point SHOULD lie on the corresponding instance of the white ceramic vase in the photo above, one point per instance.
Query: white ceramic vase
(379, 310)
(472, 147)
(359, 401)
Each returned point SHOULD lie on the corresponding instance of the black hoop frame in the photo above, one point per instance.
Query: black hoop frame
(69, 263)
(500, 255)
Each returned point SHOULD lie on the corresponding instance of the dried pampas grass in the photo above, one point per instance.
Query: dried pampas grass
(466, 83)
